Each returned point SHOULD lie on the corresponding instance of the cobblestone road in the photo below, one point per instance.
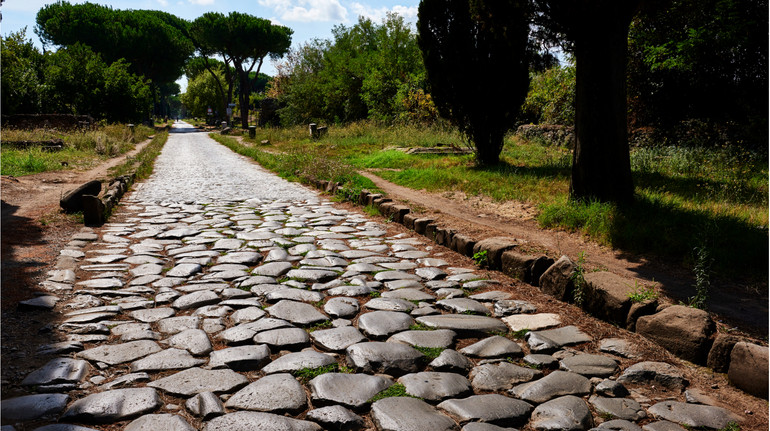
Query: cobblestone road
(224, 298)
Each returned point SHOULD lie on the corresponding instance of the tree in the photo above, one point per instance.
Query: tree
(22, 69)
(597, 31)
(244, 40)
(202, 93)
(475, 54)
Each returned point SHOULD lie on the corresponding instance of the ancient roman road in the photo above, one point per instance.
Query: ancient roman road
(221, 297)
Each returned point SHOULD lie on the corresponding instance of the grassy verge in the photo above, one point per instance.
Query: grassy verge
(143, 162)
(686, 197)
(82, 149)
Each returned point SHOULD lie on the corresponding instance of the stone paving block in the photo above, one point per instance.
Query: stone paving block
(409, 414)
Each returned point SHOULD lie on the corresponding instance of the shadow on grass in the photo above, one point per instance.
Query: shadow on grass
(688, 187)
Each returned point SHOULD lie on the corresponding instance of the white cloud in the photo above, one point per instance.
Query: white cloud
(409, 13)
(201, 2)
(307, 10)
(163, 3)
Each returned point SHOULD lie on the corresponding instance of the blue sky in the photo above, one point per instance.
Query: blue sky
(308, 18)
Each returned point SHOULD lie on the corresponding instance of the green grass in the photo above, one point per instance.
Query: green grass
(396, 390)
(82, 149)
(681, 192)
(642, 293)
(429, 352)
(144, 161)
(308, 374)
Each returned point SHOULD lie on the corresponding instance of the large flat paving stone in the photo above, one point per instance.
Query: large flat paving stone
(501, 376)
(30, 407)
(336, 339)
(382, 357)
(349, 390)
(621, 408)
(240, 358)
(379, 324)
(165, 422)
(273, 393)
(464, 324)
(590, 365)
(493, 347)
(283, 338)
(553, 339)
(114, 405)
(195, 341)
(409, 414)
(114, 354)
(439, 338)
(341, 307)
(492, 408)
(169, 359)
(693, 415)
(436, 386)
(296, 312)
(253, 421)
(566, 413)
(195, 380)
(298, 360)
(556, 384)
(195, 300)
(653, 372)
(336, 418)
(58, 371)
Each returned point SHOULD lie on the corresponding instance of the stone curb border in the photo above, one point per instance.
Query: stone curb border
(688, 333)
(96, 210)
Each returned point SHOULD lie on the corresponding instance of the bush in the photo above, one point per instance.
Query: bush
(551, 97)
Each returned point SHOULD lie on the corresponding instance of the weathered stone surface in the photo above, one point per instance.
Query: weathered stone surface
(658, 372)
(114, 405)
(195, 341)
(312, 275)
(114, 354)
(409, 294)
(169, 359)
(693, 415)
(47, 302)
(283, 338)
(565, 413)
(336, 339)
(195, 300)
(607, 296)
(554, 385)
(350, 390)
(621, 408)
(336, 418)
(533, 322)
(662, 426)
(272, 269)
(54, 427)
(389, 304)
(387, 358)
(684, 331)
(553, 339)
(541, 361)
(30, 407)
(273, 393)
(719, 354)
(152, 314)
(451, 361)
(293, 294)
(611, 388)
(493, 347)
(241, 358)
(618, 425)
(617, 346)
(409, 414)
(493, 408)
(557, 280)
(463, 305)
(442, 338)
(58, 371)
(295, 312)
(590, 365)
(436, 386)
(748, 368)
(298, 360)
(165, 422)
(512, 306)
(380, 324)
(341, 307)
(184, 270)
(175, 325)
(501, 376)
(205, 405)
(464, 324)
(250, 421)
(194, 380)
(495, 248)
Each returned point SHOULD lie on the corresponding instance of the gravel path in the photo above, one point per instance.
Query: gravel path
(223, 298)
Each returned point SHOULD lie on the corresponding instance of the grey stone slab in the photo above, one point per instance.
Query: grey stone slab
(395, 275)
(381, 357)
(165, 422)
(403, 265)
(184, 270)
(336, 418)
(195, 300)
(250, 421)
(464, 324)
(533, 322)
(436, 386)
(336, 339)
(126, 380)
(429, 261)
(501, 376)
(248, 314)
(294, 294)
(272, 393)
(653, 372)
(349, 390)
(240, 358)
(618, 347)
(312, 275)
(195, 341)
(60, 347)
(89, 317)
(493, 347)
(152, 314)
(430, 273)
(298, 313)
(482, 426)
(590, 365)
(114, 405)
(242, 302)
(451, 361)
(58, 371)
(54, 427)
(463, 305)
(169, 359)
(364, 268)
(284, 338)
(147, 269)
(693, 415)
(205, 405)
(621, 408)
(540, 361)
(662, 426)
(115, 354)
(492, 408)
(439, 338)
(101, 283)
(355, 290)
(296, 361)
(244, 332)
(389, 304)
(611, 388)
(241, 257)
(565, 413)
(403, 284)
(214, 311)
(379, 324)
(554, 339)
(31, 407)
(409, 414)
(46, 302)
(142, 259)
(341, 307)
(107, 258)
(409, 294)
(554, 385)
(195, 380)
(513, 306)
(175, 325)
(178, 233)
(618, 425)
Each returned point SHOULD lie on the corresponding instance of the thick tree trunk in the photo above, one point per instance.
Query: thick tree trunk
(243, 97)
(601, 166)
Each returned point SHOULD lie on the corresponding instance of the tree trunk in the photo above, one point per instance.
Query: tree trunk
(601, 166)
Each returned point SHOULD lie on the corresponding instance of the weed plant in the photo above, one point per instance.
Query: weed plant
(578, 280)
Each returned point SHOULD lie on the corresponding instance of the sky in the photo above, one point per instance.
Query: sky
(310, 19)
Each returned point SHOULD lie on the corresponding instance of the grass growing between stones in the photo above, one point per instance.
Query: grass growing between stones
(82, 149)
(429, 352)
(308, 374)
(396, 390)
(680, 190)
(419, 326)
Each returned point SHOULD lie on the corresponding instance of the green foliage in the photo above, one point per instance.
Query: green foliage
(307, 374)
(480, 259)
(578, 280)
(419, 326)
(326, 324)
(702, 272)
(396, 390)
(375, 294)
(203, 92)
(22, 65)
(642, 293)
(520, 334)
(474, 48)
(551, 97)
(429, 352)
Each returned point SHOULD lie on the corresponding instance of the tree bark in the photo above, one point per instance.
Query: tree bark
(601, 166)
